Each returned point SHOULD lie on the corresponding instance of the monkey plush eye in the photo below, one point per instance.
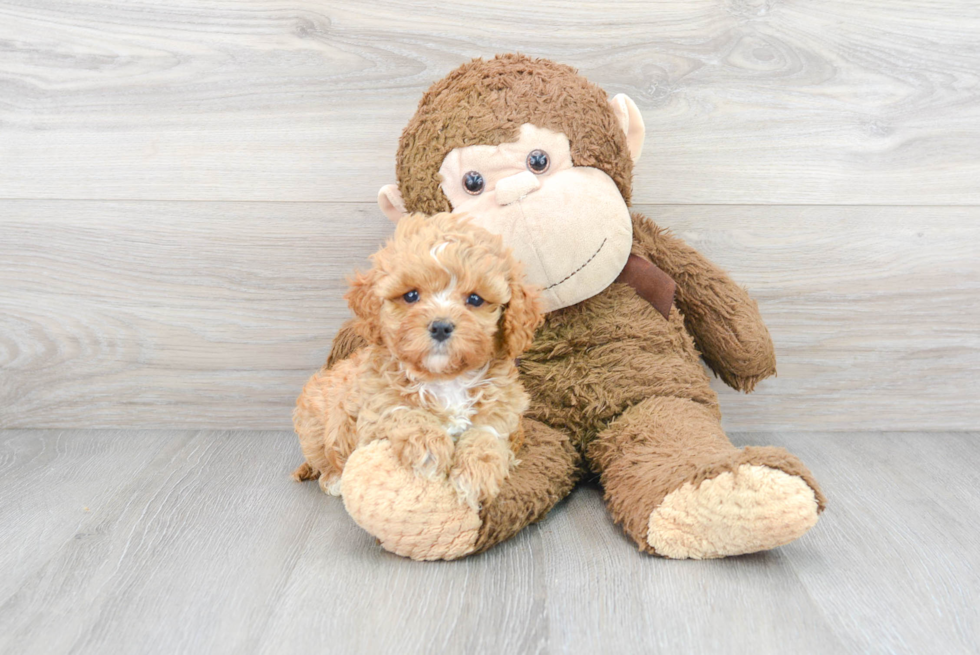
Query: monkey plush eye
(473, 182)
(411, 296)
(538, 162)
(474, 300)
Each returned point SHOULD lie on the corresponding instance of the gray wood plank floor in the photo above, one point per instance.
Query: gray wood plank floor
(178, 542)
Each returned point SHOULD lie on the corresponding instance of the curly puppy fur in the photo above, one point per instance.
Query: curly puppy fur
(450, 405)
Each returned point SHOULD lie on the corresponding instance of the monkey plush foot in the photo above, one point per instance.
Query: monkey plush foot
(424, 519)
(747, 510)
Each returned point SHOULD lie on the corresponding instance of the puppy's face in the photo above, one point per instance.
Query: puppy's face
(445, 298)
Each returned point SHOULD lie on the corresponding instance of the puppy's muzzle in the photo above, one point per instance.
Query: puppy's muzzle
(441, 330)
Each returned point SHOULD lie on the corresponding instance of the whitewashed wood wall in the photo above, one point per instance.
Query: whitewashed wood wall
(185, 184)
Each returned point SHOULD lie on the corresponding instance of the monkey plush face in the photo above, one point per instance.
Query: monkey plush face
(568, 224)
(535, 153)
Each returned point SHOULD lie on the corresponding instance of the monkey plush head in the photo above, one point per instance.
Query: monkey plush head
(533, 152)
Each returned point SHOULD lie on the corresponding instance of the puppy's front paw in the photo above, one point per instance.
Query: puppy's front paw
(330, 484)
(428, 452)
(478, 473)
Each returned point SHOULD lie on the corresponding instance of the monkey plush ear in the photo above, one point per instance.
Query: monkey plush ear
(391, 203)
(631, 121)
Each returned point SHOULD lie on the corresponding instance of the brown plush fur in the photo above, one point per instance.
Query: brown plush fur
(632, 394)
(721, 315)
(486, 102)
(608, 376)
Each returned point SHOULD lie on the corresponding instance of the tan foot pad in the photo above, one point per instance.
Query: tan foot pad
(411, 516)
(755, 508)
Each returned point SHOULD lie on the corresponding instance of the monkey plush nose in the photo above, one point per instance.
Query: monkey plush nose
(515, 187)
(441, 330)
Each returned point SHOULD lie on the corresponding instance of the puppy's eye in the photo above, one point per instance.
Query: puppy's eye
(474, 300)
(473, 182)
(538, 162)
(411, 296)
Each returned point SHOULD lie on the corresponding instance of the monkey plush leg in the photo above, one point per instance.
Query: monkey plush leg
(682, 490)
(424, 519)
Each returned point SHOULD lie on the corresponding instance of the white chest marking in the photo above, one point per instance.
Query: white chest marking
(456, 398)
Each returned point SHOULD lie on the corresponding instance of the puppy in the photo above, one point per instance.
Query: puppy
(445, 314)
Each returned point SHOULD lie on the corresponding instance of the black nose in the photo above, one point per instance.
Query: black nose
(441, 330)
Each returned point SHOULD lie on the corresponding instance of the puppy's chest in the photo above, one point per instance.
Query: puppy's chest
(453, 401)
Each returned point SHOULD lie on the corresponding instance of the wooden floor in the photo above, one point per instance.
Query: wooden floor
(197, 542)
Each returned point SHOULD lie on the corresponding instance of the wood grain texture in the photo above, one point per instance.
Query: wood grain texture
(190, 315)
(199, 542)
(79, 471)
(746, 101)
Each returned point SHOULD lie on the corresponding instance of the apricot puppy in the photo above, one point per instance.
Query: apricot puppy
(445, 313)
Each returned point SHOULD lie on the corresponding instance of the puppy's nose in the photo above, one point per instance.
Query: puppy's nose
(515, 187)
(441, 330)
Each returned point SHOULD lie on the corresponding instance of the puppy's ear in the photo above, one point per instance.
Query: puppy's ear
(522, 316)
(366, 305)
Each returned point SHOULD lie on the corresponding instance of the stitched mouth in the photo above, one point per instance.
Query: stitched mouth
(572, 274)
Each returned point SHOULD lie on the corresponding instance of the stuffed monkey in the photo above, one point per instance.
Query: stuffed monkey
(536, 153)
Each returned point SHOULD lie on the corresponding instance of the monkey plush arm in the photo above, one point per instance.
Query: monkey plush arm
(344, 344)
(723, 319)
